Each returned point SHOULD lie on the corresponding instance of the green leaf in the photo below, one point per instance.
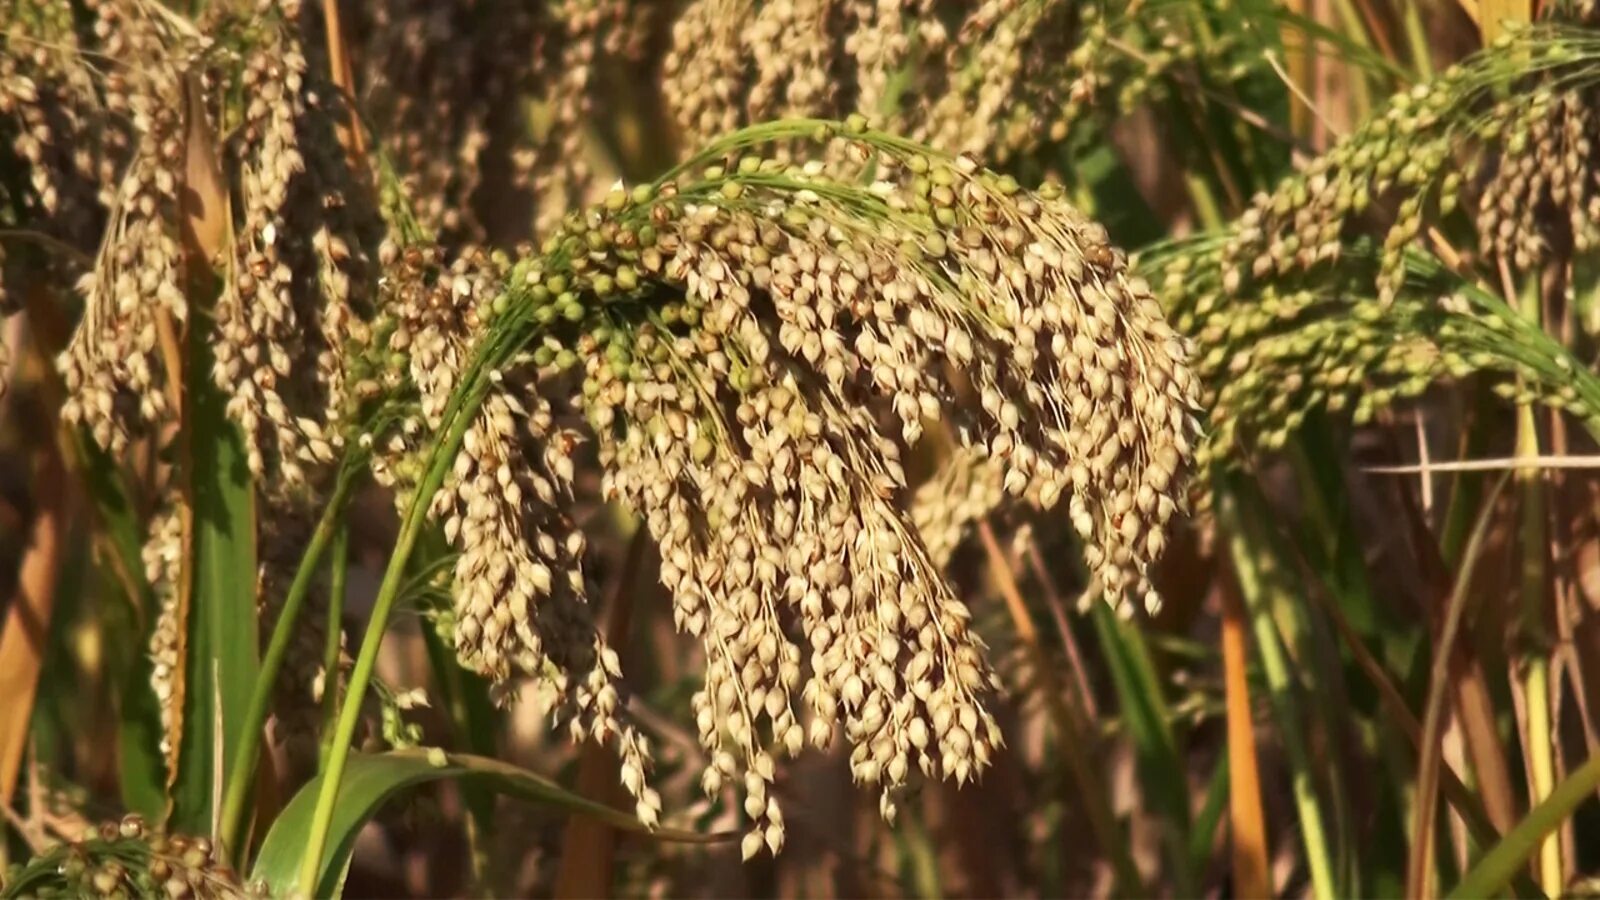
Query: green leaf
(371, 779)
(1261, 571)
(223, 647)
(140, 768)
(1508, 859)
(1210, 817)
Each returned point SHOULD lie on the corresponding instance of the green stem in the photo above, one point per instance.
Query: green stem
(1501, 864)
(1534, 641)
(337, 579)
(1417, 37)
(388, 592)
(1257, 573)
(248, 752)
(1541, 766)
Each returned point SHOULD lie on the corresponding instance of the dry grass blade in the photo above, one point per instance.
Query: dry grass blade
(1247, 821)
(1498, 464)
(351, 135)
(1419, 870)
(204, 196)
(27, 626)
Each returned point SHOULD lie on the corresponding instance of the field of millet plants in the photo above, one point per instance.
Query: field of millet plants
(800, 448)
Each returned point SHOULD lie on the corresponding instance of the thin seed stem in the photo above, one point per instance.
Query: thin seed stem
(242, 774)
(337, 578)
(383, 607)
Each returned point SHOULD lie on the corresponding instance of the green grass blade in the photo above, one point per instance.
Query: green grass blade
(1260, 573)
(1510, 857)
(473, 717)
(221, 659)
(1147, 718)
(141, 771)
(1204, 835)
(370, 780)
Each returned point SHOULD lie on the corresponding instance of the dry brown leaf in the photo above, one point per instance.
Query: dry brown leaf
(204, 196)
(27, 627)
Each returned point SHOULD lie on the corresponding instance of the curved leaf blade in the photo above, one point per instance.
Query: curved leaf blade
(371, 779)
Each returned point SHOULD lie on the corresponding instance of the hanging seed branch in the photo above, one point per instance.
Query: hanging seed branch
(1506, 136)
(456, 92)
(1296, 309)
(1271, 358)
(187, 149)
(128, 859)
(753, 344)
(998, 81)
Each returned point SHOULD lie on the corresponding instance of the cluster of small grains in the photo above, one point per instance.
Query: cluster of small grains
(297, 264)
(1284, 331)
(1529, 169)
(295, 271)
(880, 44)
(746, 422)
(520, 594)
(703, 76)
(1541, 192)
(967, 487)
(558, 164)
(129, 859)
(133, 298)
(53, 129)
(473, 99)
(791, 43)
(437, 79)
(997, 82)
(162, 554)
(1005, 73)
(1273, 354)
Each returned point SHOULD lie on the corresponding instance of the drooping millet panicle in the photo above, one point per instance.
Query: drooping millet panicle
(703, 76)
(297, 262)
(474, 99)
(436, 80)
(967, 487)
(1003, 52)
(291, 300)
(760, 341)
(558, 165)
(520, 594)
(1272, 356)
(127, 858)
(52, 129)
(1541, 193)
(1526, 168)
(792, 47)
(998, 81)
(773, 490)
(162, 554)
(114, 374)
(1295, 310)
(880, 44)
